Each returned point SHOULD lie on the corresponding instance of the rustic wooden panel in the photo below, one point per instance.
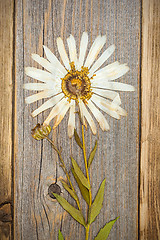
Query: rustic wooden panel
(6, 60)
(150, 144)
(36, 215)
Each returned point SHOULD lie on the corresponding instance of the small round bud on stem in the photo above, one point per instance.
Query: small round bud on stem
(40, 131)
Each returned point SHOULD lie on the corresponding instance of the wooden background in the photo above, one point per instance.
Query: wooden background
(127, 156)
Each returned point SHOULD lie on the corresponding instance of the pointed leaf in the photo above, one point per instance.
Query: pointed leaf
(68, 189)
(104, 232)
(97, 204)
(92, 154)
(77, 138)
(75, 213)
(80, 174)
(60, 236)
(83, 189)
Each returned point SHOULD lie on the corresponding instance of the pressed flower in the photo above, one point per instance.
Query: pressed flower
(40, 132)
(80, 82)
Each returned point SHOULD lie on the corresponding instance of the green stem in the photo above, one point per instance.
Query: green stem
(64, 169)
(87, 175)
(86, 166)
(87, 232)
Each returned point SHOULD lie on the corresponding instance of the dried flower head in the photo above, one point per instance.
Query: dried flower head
(40, 131)
(79, 81)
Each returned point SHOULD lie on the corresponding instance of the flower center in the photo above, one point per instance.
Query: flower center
(76, 84)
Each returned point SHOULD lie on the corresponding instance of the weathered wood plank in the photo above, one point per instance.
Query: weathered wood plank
(150, 144)
(37, 216)
(6, 88)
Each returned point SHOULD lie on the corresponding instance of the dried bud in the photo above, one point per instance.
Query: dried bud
(40, 131)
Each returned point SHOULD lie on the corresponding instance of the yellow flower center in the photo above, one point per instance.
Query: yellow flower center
(76, 84)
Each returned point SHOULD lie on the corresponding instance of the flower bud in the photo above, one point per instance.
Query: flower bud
(40, 131)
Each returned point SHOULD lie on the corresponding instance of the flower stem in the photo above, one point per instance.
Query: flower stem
(64, 169)
(87, 232)
(87, 174)
(86, 166)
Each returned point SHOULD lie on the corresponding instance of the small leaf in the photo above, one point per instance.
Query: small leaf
(80, 174)
(97, 204)
(60, 236)
(68, 189)
(92, 154)
(75, 213)
(104, 232)
(83, 189)
(77, 138)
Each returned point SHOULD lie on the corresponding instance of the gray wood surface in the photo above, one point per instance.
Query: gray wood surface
(36, 215)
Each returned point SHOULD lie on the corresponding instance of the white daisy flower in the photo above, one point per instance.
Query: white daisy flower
(78, 82)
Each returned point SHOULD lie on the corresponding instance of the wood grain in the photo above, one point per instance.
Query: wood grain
(150, 141)
(6, 89)
(37, 216)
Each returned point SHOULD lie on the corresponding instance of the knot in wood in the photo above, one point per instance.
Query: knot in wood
(54, 188)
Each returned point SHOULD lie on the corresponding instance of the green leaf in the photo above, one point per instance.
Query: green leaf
(75, 213)
(83, 189)
(77, 138)
(92, 154)
(97, 204)
(68, 189)
(60, 236)
(80, 174)
(104, 232)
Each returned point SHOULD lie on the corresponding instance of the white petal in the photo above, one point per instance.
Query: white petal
(89, 118)
(107, 53)
(94, 46)
(72, 49)
(113, 85)
(52, 58)
(95, 49)
(44, 63)
(118, 109)
(63, 53)
(109, 68)
(108, 94)
(99, 116)
(105, 106)
(117, 100)
(48, 104)
(56, 110)
(71, 121)
(61, 115)
(40, 95)
(39, 74)
(42, 86)
(83, 49)
(35, 86)
(118, 72)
